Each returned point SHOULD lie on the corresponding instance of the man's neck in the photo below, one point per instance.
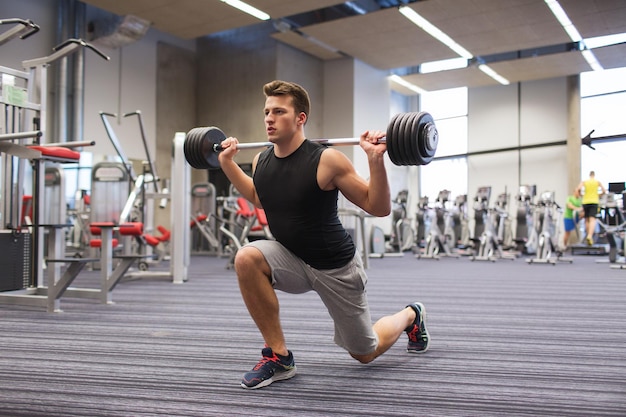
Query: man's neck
(286, 148)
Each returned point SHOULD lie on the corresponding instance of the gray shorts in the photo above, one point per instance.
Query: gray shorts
(342, 291)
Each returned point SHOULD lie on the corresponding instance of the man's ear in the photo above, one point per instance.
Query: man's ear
(302, 118)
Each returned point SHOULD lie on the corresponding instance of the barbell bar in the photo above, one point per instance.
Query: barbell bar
(411, 139)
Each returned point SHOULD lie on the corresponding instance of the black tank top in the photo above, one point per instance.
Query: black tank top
(301, 216)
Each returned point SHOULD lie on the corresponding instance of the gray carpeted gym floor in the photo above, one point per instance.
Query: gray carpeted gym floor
(508, 339)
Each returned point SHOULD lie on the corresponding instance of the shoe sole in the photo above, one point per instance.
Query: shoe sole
(277, 377)
(423, 317)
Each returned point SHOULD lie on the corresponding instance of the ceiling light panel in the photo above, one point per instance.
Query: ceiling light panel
(384, 39)
(486, 27)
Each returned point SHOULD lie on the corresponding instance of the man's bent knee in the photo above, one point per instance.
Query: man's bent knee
(251, 259)
(364, 358)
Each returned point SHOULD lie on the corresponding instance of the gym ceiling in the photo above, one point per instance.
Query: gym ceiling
(519, 39)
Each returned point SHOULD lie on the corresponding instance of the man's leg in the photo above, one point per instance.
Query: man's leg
(591, 229)
(388, 329)
(255, 285)
(260, 298)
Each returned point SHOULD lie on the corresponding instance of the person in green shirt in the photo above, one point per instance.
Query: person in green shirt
(571, 215)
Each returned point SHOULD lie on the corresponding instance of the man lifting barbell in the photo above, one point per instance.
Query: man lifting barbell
(296, 181)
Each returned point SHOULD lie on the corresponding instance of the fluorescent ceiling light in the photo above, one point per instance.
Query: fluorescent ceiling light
(246, 8)
(399, 80)
(563, 19)
(435, 32)
(558, 12)
(322, 44)
(443, 65)
(572, 32)
(591, 60)
(487, 70)
(600, 41)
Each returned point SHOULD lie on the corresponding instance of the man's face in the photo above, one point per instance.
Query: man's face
(281, 120)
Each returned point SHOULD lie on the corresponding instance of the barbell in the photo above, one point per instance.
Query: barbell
(411, 139)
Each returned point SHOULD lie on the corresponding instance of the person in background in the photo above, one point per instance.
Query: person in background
(296, 182)
(591, 190)
(573, 209)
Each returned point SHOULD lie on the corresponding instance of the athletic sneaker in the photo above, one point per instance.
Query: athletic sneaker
(419, 339)
(589, 241)
(271, 368)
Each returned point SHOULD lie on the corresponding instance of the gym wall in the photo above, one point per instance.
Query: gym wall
(523, 114)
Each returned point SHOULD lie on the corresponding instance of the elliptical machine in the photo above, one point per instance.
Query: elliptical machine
(422, 222)
(460, 219)
(503, 220)
(402, 235)
(550, 216)
(488, 246)
(440, 240)
(524, 231)
(613, 226)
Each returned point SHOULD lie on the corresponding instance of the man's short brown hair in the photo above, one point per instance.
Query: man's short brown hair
(300, 97)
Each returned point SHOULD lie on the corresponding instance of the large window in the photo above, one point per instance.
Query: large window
(603, 106)
(449, 109)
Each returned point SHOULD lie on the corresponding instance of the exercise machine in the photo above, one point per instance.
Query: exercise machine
(45, 273)
(550, 217)
(612, 223)
(440, 239)
(421, 222)
(489, 221)
(460, 218)
(402, 237)
(525, 235)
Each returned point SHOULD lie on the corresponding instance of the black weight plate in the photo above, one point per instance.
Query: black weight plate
(196, 157)
(412, 141)
(429, 138)
(213, 136)
(390, 137)
(396, 140)
(408, 139)
(189, 147)
(392, 141)
(197, 148)
(191, 153)
(399, 142)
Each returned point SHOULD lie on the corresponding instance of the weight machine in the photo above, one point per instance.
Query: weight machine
(136, 208)
(45, 273)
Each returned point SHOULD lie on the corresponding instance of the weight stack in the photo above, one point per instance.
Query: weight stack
(15, 252)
